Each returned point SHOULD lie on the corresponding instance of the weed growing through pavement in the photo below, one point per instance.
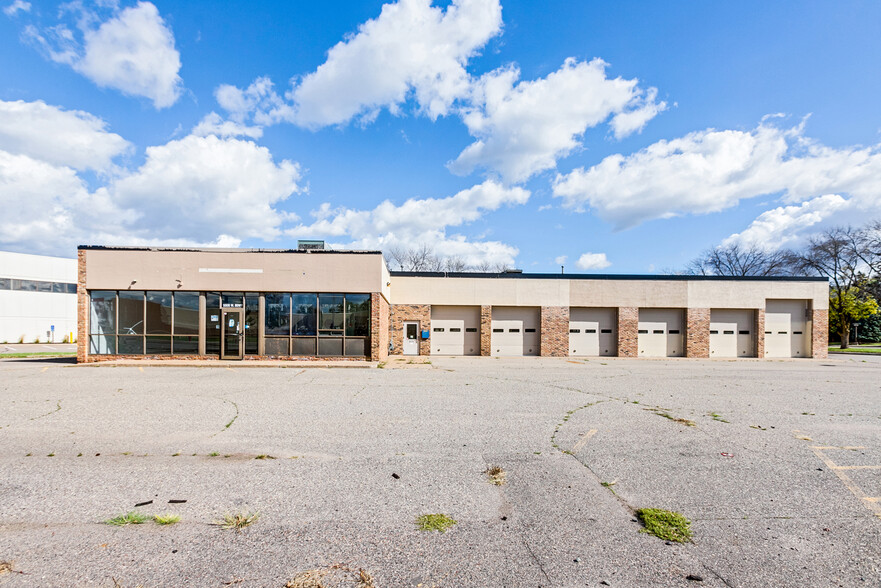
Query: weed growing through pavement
(129, 518)
(263, 456)
(166, 519)
(336, 575)
(213, 454)
(434, 522)
(496, 475)
(237, 521)
(665, 524)
(667, 415)
(717, 417)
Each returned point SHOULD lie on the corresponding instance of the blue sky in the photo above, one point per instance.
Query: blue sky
(619, 137)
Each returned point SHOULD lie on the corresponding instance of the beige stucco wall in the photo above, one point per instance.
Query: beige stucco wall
(608, 293)
(478, 291)
(241, 270)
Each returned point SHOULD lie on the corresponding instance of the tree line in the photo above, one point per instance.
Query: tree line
(849, 257)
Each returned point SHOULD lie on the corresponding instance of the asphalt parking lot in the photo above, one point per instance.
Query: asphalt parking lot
(780, 473)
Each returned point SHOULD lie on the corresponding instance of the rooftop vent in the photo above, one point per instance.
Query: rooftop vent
(513, 271)
(306, 245)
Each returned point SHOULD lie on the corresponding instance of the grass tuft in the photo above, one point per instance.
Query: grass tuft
(213, 454)
(665, 524)
(717, 417)
(434, 522)
(667, 415)
(336, 575)
(496, 475)
(166, 519)
(129, 518)
(262, 456)
(237, 521)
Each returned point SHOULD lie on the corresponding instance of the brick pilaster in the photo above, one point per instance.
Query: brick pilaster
(554, 331)
(697, 332)
(379, 327)
(82, 309)
(486, 324)
(760, 333)
(628, 327)
(401, 313)
(819, 334)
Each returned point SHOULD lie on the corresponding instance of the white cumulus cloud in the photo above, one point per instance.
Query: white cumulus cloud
(60, 137)
(709, 171)
(421, 221)
(592, 261)
(524, 127)
(132, 51)
(16, 7)
(214, 124)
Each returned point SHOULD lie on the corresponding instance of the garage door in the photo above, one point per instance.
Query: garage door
(732, 333)
(455, 330)
(592, 331)
(661, 332)
(515, 331)
(786, 333)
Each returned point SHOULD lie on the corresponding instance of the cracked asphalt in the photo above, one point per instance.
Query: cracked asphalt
(780, 473)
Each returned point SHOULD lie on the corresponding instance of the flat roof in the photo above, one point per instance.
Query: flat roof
(225, 250)
(524, 276)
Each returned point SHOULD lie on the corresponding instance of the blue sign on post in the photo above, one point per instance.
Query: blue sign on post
(52, 328)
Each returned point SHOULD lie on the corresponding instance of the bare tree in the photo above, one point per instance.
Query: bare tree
(835, 254)
(740, 260)
(455, 264)
(423, 258)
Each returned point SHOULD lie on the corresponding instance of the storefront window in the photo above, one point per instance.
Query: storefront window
(103, 315)
(357, 315)
(131, 313)
(278, 314)
(186, 313)
(304, 314)
(330, 314)
(159, 314)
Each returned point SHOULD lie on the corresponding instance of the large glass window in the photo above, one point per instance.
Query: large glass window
(159, 314)
(252, 323)
(357, 315)
(330, 314)
(278, 314)
(304, 313)
(131, 312)
(103, 314)
(186, 313)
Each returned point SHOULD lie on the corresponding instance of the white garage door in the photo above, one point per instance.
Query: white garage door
(661, 332)
(732, 333)
(455, 330)
(515, 331)
(592, 331)
(786, 333)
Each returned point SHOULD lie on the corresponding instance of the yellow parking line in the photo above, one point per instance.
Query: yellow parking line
(141, 368)
(858, 467)
(872, 499)
(872, 505)
(583, 440)
(44, 369)
(850, 447)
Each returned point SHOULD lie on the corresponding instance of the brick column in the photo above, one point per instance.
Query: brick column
(486, 322)
(401, 313)
(697, 332)
(819, 334)
(82, 310)
(628, 337)
(554, 331)
(760, 333)
(379, 327)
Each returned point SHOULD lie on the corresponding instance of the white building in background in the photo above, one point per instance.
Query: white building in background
(37, 298)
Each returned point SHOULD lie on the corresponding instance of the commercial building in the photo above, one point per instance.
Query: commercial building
(37, 298)
(238, 303)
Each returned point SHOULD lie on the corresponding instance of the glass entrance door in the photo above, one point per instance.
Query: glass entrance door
(233, 338)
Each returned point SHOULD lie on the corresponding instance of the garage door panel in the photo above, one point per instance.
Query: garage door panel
(786, 328)
(515, 331)
(732, 333)
(455, 330)
(661, 332)
(592, 331)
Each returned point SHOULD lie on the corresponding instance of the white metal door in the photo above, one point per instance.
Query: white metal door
(661, 332)
(411, 339)
(455, 330)
(732, 333)
(592, 331)
(515, 331)
(786, 328)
